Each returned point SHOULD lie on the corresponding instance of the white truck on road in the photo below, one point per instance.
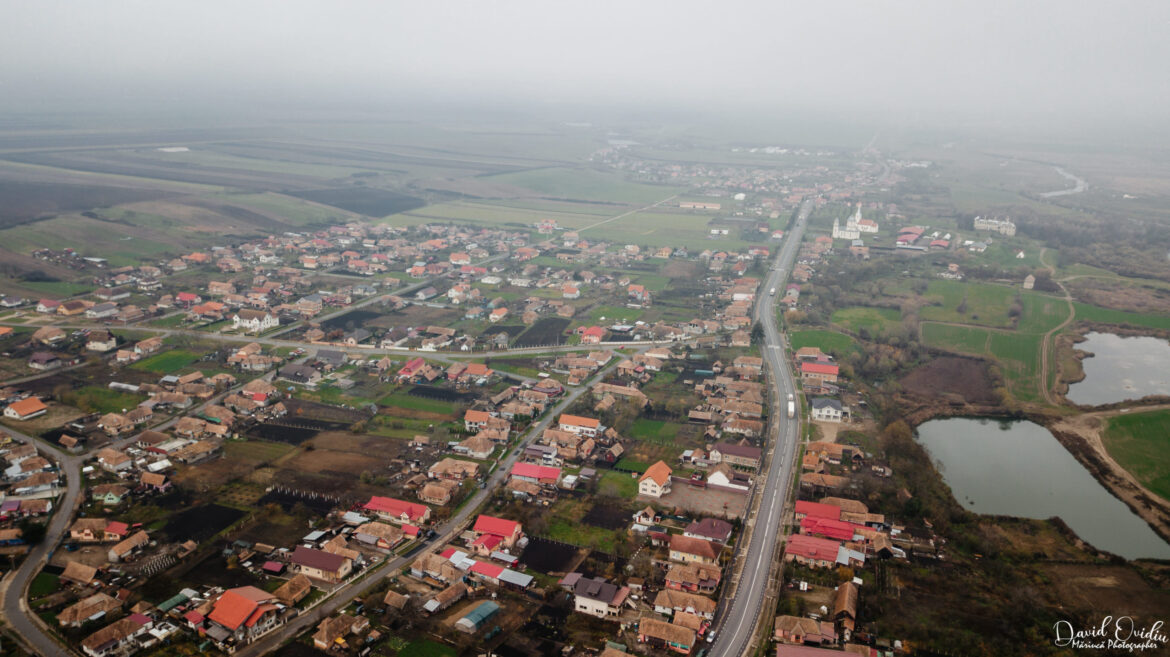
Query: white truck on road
(791, 406)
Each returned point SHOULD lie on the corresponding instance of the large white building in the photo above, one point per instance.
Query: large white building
(1002, 226)
(854, 226)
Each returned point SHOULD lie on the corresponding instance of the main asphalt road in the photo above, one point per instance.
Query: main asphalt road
(734, 632)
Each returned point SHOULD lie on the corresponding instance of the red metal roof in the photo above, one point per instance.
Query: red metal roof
(818, 510)
(819, 368)
(534, 471)
(492, 525)
(811, 547)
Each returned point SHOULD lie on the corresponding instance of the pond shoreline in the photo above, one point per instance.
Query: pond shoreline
(1086, 449)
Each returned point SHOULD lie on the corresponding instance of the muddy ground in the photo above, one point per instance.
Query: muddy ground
(948, 377)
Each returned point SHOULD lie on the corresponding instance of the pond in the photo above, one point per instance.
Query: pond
(1020, 469)
(1121, 368)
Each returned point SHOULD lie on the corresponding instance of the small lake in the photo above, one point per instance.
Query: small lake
(1121, 368)
(1020, 469)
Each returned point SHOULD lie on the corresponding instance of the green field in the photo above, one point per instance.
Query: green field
(830, 342)
(1140, 443)
(96, 399)
(292, 210)
(1018, 354)
(427, 648)
(1089, 313)
(618, 484)
(873, 320)
(58, 289)
(1041, 313)
(964, 339)
(986, 305)
(167, 362)
(585, 185)
(43, 584)
(612, 315)
(655, 431)
(260, 451)
(410, 402)
(658, 227)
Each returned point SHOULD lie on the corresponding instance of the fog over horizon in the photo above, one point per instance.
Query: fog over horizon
(1040, 61)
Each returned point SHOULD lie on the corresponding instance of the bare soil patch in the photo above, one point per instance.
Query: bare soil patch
(962, 379)
(1116, 590)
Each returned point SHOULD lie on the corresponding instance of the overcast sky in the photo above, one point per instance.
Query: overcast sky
(1036, 56)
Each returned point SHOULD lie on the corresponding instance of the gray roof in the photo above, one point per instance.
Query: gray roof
(595, 588)
(825, 402)
(515, 578)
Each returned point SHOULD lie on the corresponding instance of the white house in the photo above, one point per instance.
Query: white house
(826, 410)
(254, 321)
(656, 480)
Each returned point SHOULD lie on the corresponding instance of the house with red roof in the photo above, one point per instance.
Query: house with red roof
(828, 528)
(241, 615)
(398, 511)
(411, 369)
(537, 474)
(592, 335)
(812, 551)
(476, 420)
(818, 372)
(492, 533)
(805, 509)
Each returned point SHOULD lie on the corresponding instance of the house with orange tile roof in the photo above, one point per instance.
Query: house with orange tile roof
(656, 480)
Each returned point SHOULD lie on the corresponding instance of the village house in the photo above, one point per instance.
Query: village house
(254, 321)
(398, 511)
(825, 409)
(655, 482)
(690, 550)
(669, 602)
(660, 634)
(597, 597)
(321, 565)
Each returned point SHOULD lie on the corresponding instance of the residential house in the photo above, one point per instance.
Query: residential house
(825, 409)
(663, 635)
(318, 564)
(689, 550)
(398, 511)
(655, 482)
(25, 409)
(669, 602)
(597, 597)
(254, 321)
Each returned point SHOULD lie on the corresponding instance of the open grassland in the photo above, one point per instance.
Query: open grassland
(1041, 313)
(504, 214)
(1121, 318)
(122, 244)
(655, 431)
(830, 342)
(618, 484)
(660, 228)
(1018, 354)
(968, 303)
(96, 399)
(289, 209)
(411, 402)
(1140, 443)
(873, 320)
(585, 184)
(963, 339)
(167, 362)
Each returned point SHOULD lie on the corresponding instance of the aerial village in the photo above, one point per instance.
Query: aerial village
(519, 438)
